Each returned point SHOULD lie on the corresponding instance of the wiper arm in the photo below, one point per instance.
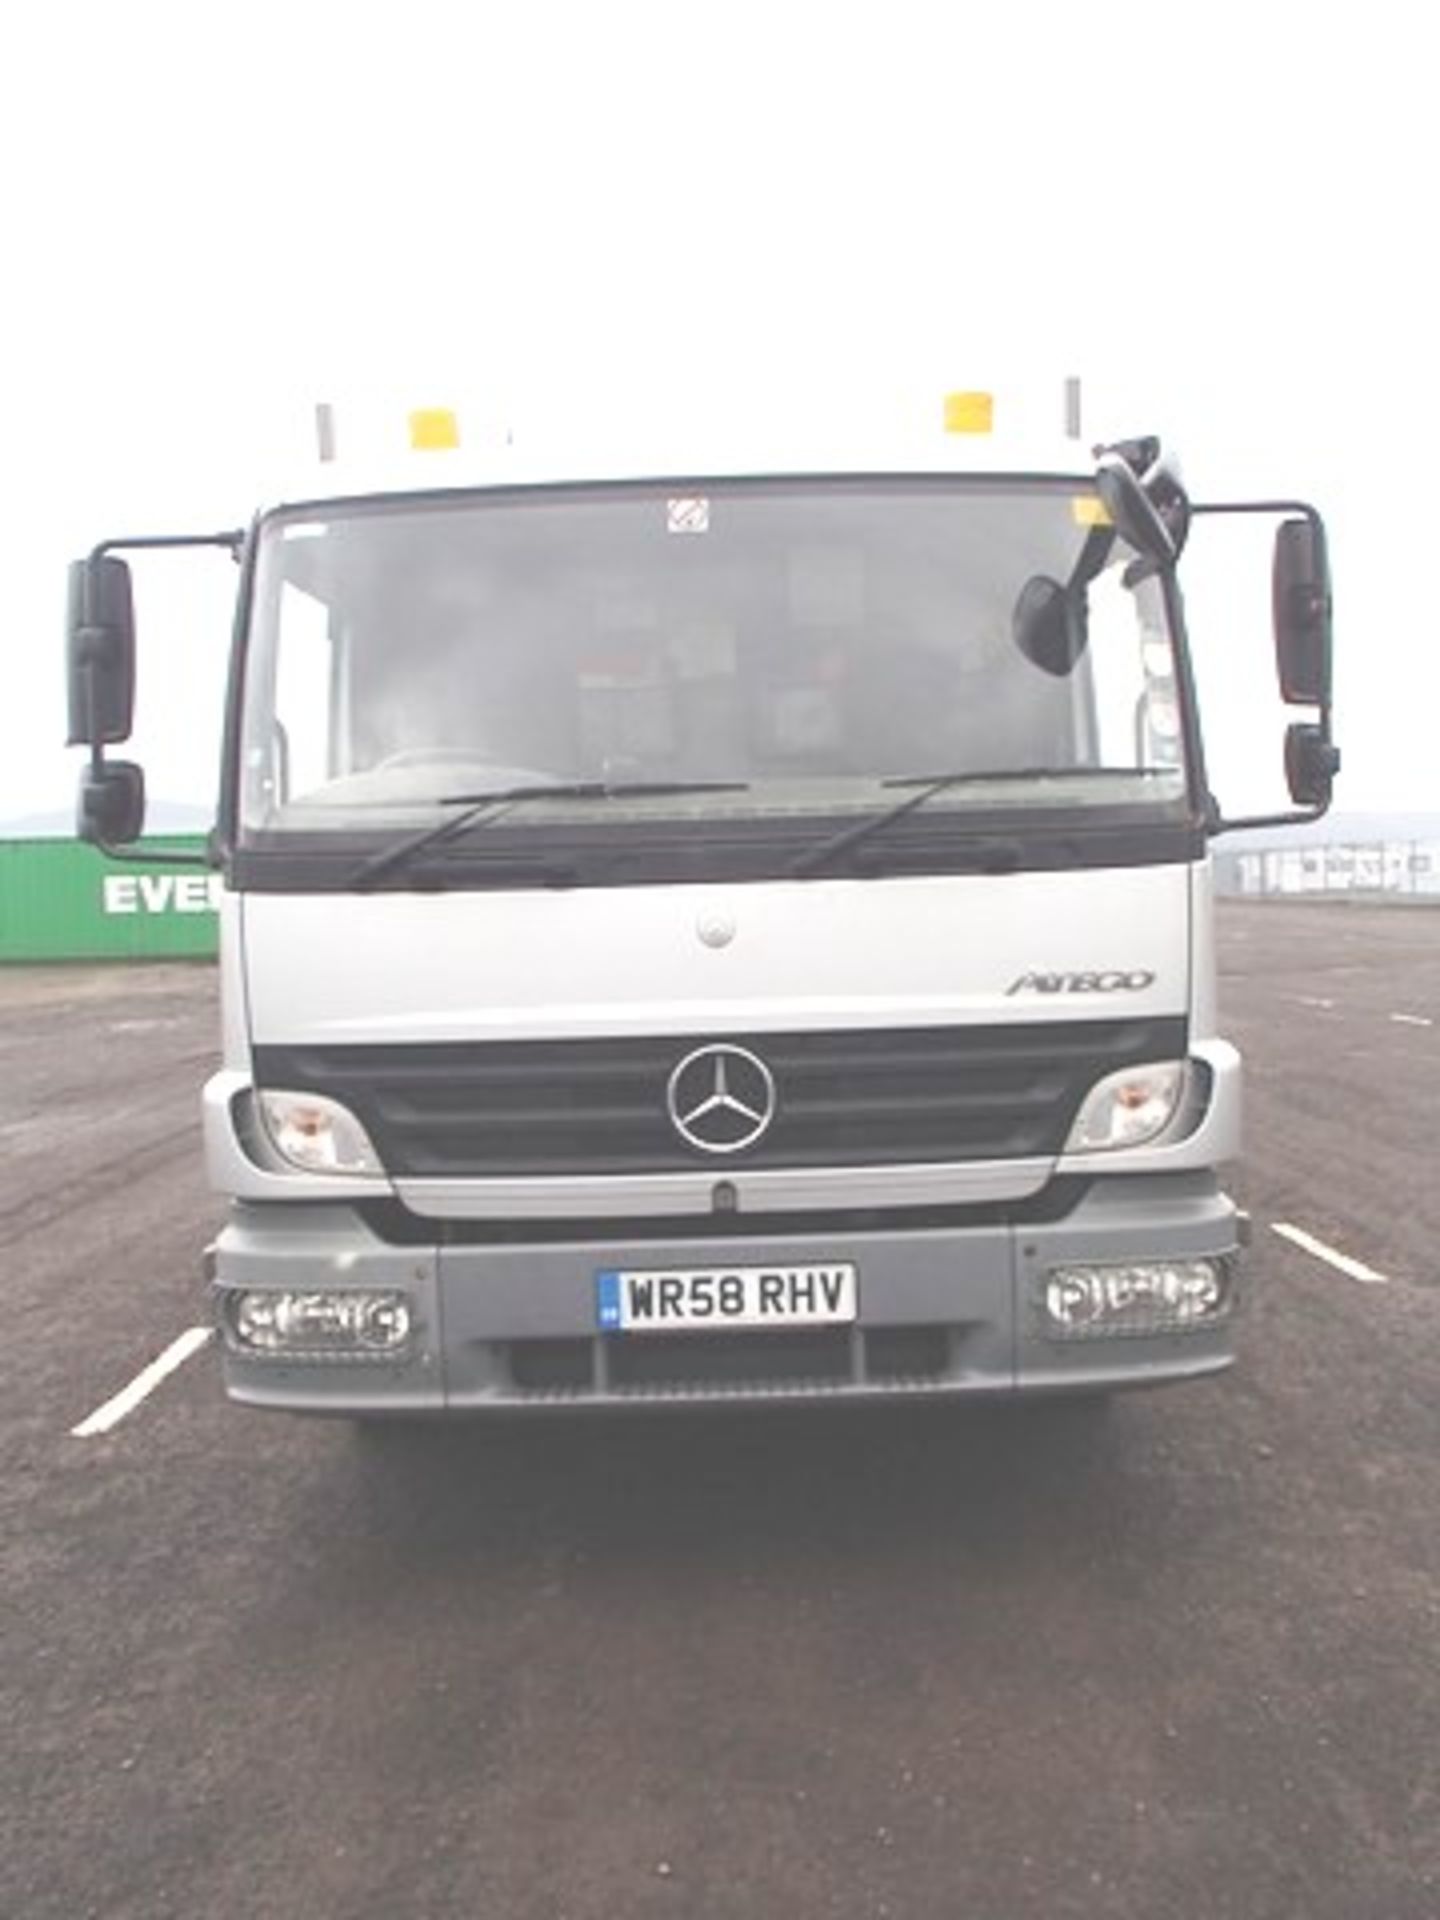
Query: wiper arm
(598, 790)
(939, 781)
(931, 784)
(476, 808)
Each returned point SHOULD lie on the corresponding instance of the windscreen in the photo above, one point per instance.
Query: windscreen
(793, 646)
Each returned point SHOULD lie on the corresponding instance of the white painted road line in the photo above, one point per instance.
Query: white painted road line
(1309, 1000)
(144, 1383)
(1411, 1020)
(1356, 1269)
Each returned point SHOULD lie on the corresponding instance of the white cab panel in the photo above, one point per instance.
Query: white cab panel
(547, 964)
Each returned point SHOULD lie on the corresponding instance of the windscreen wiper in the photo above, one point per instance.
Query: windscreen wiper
(931, 784)
(478, 808)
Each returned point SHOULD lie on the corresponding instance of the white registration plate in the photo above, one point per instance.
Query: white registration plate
(667, 1299)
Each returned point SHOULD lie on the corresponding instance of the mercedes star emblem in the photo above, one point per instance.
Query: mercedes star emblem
(721, 1099)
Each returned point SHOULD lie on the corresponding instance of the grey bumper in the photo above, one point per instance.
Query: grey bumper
(944, 1311)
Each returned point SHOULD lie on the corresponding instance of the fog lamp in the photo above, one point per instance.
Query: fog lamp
(354, 1322)
(1141, 1297)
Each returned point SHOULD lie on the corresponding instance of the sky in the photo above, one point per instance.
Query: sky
(1219, 217)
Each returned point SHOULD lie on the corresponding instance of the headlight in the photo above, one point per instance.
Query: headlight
(315, 1134)
(1128, 1108)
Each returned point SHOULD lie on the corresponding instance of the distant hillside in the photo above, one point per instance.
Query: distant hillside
(161, 816)
(1338, 830)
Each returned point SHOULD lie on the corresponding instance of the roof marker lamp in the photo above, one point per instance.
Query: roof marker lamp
(434, 429)
(315, 1134)
(971, 412)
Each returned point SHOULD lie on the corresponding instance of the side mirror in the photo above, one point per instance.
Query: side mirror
(1311, 764)
(100, 637)
(1050, 625)
(1301, 602)
(111, 810)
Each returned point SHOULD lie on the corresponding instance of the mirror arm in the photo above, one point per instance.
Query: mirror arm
(97, 745)
(233, 538)
(1276, 509)
(1300, 509)
(1297, 817)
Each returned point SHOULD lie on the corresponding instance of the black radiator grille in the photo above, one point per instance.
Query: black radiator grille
(512, 1109)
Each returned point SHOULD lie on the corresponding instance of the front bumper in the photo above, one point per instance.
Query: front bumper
(945, 1310)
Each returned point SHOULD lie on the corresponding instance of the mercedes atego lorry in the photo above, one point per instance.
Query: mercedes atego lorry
(719, 930)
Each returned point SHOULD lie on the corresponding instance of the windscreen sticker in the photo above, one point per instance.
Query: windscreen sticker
(691, 515)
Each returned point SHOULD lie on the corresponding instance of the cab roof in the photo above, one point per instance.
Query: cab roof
(442, 451)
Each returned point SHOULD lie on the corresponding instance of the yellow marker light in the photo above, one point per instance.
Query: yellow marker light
(433, 428)
(1089, 510)
(969, 412)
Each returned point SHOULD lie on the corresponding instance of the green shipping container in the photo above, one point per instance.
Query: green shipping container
(62, 900)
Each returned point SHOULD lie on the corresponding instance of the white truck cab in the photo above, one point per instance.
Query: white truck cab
(718, 931)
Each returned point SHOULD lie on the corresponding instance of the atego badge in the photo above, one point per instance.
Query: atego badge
(1111, 980)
